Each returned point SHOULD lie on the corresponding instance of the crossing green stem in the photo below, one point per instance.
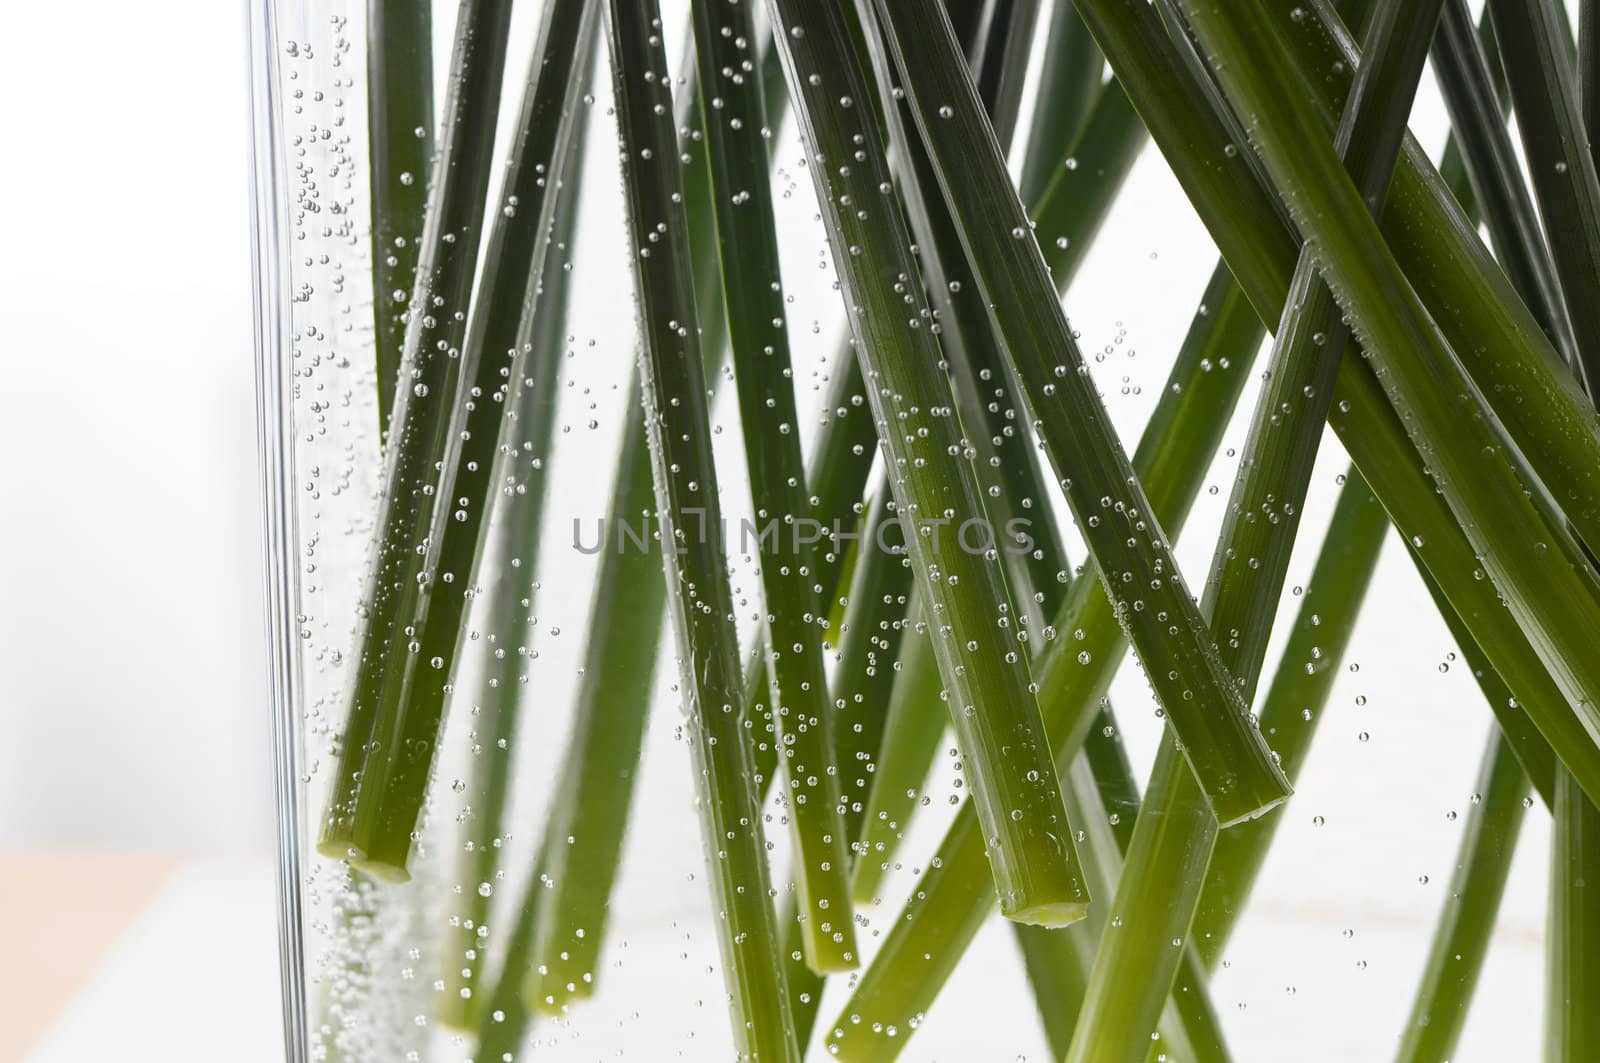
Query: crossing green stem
(972, 616)
(1069, 82)
(1233, 763)
(700, 598)
(400, 139)
(380, 777)
(735, 123)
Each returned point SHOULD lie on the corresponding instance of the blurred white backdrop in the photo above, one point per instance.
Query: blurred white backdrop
(133, 703)
(133, 708)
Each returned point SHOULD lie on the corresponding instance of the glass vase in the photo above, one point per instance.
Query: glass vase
(687, 638)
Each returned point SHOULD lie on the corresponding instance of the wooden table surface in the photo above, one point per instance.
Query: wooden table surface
(59, 914)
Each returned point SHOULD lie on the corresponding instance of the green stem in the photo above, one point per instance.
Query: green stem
(516, 532)
(1376, 441)
(613, 704)
(1466, 922)
(1530, 748)
(602, 759)
(1174, 847)
(1150, 915)
(1296, 700)
(1002, 62)
(1491, 165)
(1188, 1028)
(1070, 210)
(840, 462)
(492, 361)
(1589, 66)
(1175, 835)
(1453, 170)
(1228, 754)
(1200, 150)
(954, 894)
(837, 474)
(1069, 82)
(677, 415)
(1506, 353)
(736, 128)
(987, 399)
(804, 984)
(1550, 588)
(400, 135)
(1017, 495)
(697, 196)
(1572, 981)
(1194, 68)
(504, 1018)
(870, 669)
(1007, 473)
(1104, 150)
(1247, 572)
(380, 780)
(975, 632)
(1533, 38)
(1424, 224)
(1108, 761)
(620, 660)
(872, 630)
(912, 732)
(1058, 978)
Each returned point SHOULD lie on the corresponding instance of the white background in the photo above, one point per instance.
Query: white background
(133, 708)
(130, 641)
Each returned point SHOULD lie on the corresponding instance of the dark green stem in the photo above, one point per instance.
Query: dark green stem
(400, 135)
(1084, 646)
(1589, 67)
(990, 703)
(1544, 90)
(1160, 890)
(1002, 64)
(1491, 165)
(397, 693)
(1489, 328)
(1572, 940)
(688, 512)
(869, 670)
(1069, 82)
(1070, 210)
(915, 723)
(735, 124)
(1295, 702)
(1112, 511)
(1465, 292)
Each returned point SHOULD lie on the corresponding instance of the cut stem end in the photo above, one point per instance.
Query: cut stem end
(1051, 915)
